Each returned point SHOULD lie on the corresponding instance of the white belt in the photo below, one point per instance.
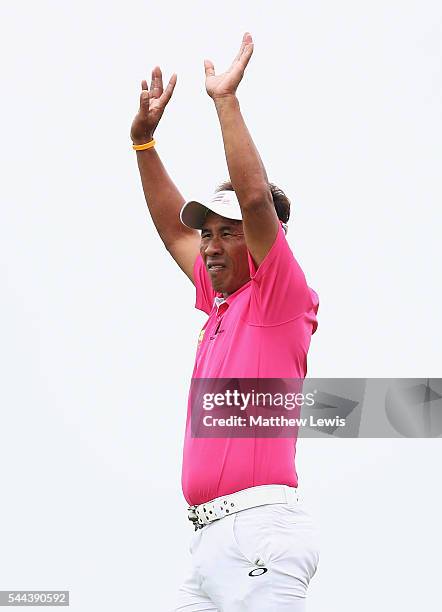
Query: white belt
(220, 507)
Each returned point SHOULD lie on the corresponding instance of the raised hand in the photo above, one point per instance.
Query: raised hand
(225, 84)
(152, 105)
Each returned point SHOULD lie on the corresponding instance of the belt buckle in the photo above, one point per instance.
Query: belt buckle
(193, 517)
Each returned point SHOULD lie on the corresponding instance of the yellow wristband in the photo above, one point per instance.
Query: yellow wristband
(143, 147)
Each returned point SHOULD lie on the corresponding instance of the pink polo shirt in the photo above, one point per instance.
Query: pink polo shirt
(264, 331)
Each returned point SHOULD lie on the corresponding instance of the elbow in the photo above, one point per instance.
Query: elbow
(258, 198)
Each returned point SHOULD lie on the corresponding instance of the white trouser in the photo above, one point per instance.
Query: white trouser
(258, 560)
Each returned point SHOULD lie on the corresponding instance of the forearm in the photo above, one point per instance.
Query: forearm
(246, 170)
(162, 197)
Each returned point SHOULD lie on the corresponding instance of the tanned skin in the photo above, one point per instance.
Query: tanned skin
(223, 242)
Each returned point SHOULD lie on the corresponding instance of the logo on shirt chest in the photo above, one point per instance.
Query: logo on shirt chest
(201, 337)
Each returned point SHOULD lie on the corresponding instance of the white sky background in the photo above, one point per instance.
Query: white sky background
(98, 330)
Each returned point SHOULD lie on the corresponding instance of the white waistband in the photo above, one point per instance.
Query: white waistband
(242, 500)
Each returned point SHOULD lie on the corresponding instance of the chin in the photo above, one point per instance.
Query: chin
(218, 288)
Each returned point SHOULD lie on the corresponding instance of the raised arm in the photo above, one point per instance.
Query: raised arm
(163, 198)
(247, 172)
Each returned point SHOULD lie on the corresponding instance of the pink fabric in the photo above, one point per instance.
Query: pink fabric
(265, 332)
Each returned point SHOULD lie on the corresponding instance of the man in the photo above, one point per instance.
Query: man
(254, 548)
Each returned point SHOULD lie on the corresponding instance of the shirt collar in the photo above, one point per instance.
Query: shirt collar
(220, 299)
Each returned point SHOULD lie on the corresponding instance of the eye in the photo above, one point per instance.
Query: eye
(226, 233)
(205, 234)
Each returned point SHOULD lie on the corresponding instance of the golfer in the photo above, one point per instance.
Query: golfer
(254, 548)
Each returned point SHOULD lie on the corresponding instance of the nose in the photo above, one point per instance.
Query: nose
(213, 246)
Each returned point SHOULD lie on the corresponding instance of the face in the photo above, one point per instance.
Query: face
(224, 252)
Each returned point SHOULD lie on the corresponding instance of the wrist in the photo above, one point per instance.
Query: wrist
(229, 100)
(143, 140)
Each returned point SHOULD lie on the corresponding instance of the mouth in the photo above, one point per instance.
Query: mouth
(214, 268)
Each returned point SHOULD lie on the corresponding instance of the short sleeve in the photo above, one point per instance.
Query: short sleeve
(205, 293)
(279, 291)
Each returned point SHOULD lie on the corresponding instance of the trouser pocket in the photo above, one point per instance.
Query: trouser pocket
(277, 535)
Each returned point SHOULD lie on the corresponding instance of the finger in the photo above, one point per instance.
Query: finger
(156, 85)
(209, 68)
(144, 100)
(241, 49)
(246, 39)
(246, 55)
(167, 94)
